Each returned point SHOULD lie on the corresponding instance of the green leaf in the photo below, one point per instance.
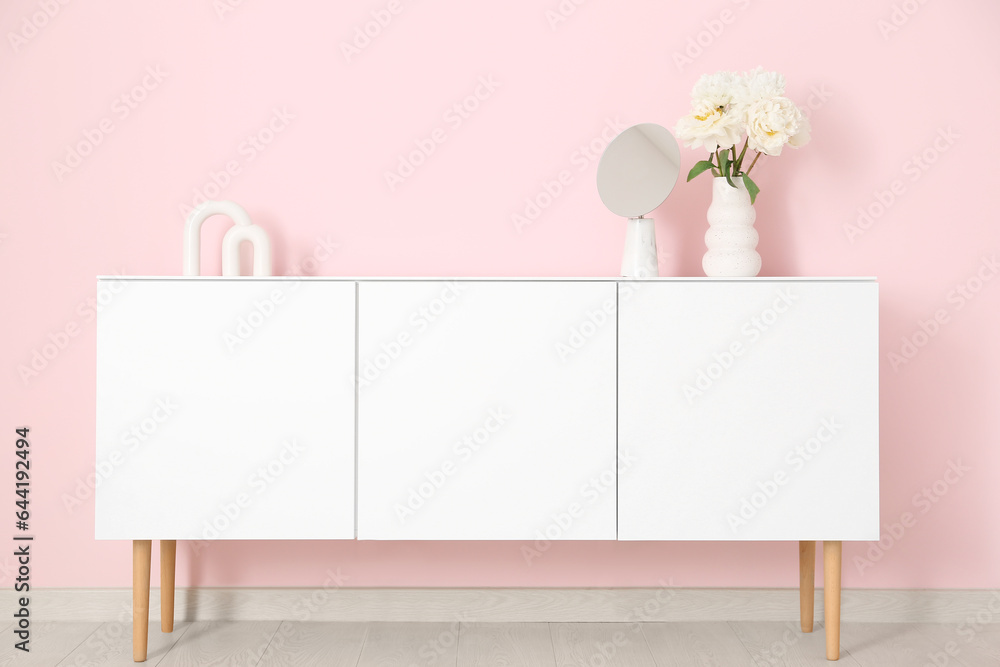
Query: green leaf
(726, 167)
(751, 188)
(699, 167)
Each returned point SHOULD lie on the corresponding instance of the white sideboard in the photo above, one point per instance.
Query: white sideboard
(473, 422)
(488, 409)
(225, 410)
(751, 409)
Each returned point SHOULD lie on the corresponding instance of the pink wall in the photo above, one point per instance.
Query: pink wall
(879, 99)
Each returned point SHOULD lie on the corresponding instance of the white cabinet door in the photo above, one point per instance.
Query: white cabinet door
(225, 410)
(750, 409)
(486, 410)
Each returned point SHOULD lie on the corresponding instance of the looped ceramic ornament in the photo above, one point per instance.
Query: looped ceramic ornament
(242, 230)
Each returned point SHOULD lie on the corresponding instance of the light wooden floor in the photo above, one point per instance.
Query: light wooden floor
(291, 644)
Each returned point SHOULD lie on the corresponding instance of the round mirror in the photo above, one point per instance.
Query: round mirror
(638, 170)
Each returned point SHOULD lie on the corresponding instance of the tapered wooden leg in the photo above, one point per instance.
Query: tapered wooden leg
(142, 550)
(807, 584)
(168, 559)
(831, 597)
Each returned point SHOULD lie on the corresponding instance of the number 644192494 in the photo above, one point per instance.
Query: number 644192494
(22, 483)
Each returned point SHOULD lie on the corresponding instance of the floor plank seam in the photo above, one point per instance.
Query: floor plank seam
(645, 639)
(364, 642)
(174, 644)
(753, 658)
(552, 643)
(86, 637)
(746, 648)
(845, 652)
(269, 642)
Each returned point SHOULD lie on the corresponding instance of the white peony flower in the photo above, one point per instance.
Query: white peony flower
(801, 138)
(716, 90)
(772, 123)
(757, 85)
(709, 126)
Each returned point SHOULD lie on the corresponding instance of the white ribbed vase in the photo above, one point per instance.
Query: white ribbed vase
(731, 238)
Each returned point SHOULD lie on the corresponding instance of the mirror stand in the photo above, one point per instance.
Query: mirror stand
(639, 259)
(636, 173)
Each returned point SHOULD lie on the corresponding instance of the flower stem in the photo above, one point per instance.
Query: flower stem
(754, 162)
(739, 160)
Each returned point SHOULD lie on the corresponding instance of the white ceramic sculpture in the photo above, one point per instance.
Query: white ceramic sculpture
(242, 230)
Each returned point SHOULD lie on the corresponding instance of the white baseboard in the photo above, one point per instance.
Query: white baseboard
(509, 604)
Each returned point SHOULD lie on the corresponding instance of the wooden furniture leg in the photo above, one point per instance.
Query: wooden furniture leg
(831, 597)
(142, 550)
(168, 560)
(807, 584)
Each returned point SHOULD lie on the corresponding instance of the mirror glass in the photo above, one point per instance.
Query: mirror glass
(638, 170)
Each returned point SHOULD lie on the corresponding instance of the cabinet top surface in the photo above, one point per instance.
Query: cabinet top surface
(503, 279)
